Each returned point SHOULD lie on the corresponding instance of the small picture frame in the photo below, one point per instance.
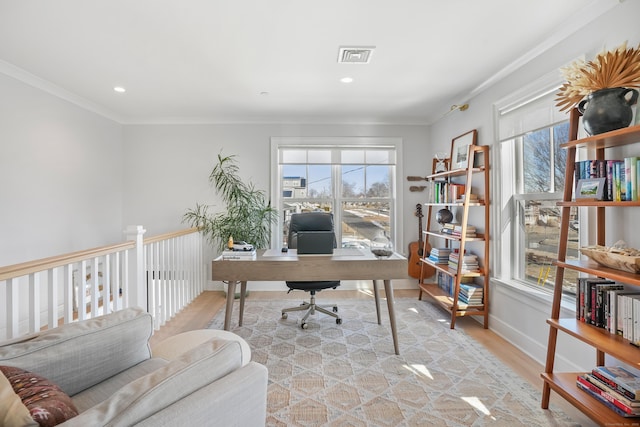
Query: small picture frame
(460, 149)
(592, 188)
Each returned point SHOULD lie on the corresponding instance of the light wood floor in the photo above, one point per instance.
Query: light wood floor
(200, 312)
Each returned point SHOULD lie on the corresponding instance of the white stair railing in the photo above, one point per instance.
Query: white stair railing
(161, 274)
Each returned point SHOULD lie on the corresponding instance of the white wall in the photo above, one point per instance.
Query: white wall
(60, 175)
(167, 166)
(517, 315)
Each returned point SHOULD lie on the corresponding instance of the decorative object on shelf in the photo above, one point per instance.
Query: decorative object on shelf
(617, 256)
(441, 162)
(444, 216)
(607, 82)
(460, 149)
(607, 109)
(381, 246)
(592, 188)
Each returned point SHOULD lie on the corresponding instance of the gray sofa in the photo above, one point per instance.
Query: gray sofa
(105, 365)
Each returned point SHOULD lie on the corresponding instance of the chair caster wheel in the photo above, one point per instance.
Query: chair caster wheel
(335, 309)
(284, 315)
(339, 321)
(304, 326)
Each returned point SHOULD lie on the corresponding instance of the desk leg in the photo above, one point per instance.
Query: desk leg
(243, 291)
(388, 290)
(375, 293)
(231, 292)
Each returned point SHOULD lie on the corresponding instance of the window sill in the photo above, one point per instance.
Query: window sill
(532, 296)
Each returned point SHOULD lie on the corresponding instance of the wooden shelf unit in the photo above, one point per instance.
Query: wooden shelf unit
(600, 339)
(480, 242)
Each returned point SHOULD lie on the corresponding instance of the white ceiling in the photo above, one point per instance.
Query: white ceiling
(210, 60)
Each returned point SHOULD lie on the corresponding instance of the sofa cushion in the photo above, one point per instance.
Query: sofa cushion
(13, 413)
(147, 395)
(107, 388)
(45, 402)
(81, 354)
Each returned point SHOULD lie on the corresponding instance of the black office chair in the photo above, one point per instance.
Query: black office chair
(311, 221)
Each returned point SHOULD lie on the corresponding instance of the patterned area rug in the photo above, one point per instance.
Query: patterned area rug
(348, 375)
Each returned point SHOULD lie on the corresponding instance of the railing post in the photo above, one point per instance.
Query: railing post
(137, 268)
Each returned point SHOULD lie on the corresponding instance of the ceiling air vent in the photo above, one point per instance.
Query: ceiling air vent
(355, 55)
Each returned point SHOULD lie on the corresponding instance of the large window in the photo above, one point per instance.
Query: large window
(532, 179)
(354, 182)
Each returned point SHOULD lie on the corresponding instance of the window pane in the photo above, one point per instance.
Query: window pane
(541, 238)
(377, 181)
(352, 156)
(378, 157)
(536, 161)
(353, 181)
(294, 181)
(320, 156)
(294, 156)
(560, 136)
(362, 222)
(319, 185)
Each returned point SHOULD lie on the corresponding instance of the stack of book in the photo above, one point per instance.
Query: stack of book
(471, 231)
(471, 294)
(469, 262)
(238, 255)
(473, 198)
(439, 255)
(615, 386)
(447, 228)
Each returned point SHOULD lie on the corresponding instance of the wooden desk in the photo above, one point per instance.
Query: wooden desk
(344, 264)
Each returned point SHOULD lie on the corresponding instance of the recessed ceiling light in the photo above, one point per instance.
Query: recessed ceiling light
(119, 89)
(346, 79)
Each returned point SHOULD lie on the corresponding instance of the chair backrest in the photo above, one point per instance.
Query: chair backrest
(309, 221)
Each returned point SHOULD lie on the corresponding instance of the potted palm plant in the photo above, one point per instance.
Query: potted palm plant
(248, 214)
(603, 89)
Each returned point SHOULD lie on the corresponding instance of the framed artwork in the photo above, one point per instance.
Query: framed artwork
(460, 149)
(592, 188)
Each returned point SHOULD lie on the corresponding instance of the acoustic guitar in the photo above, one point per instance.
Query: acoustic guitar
(416, 251)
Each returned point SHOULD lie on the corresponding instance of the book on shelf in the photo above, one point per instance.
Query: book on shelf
(439, 255)
(471, 231)
(631, 403)
(620, 379)
(447, 228)
(471, 293)
(622, 411)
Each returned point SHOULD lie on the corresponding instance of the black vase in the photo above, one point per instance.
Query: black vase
(607, 109)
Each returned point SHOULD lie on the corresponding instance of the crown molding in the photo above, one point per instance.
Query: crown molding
(26, 77)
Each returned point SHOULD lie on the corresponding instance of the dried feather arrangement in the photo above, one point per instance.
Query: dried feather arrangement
(616, 68)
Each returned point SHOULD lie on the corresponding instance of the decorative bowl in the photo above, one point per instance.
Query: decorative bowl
(619, 259)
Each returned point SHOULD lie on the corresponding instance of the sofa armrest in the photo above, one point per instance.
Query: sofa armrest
(236, 400)
(78, 355)
(151, 393)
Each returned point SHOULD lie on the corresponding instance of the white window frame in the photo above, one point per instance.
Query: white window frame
(396, 198)
(508, 252)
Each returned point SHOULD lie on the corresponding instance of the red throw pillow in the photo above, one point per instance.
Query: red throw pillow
(46, 402)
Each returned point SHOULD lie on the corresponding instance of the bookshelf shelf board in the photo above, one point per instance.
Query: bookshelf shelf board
(593, 268)
(446, 301)
(454, 172)
(565, 385)
(479, 236)
(598, 338)
(616, 138)
(599, 203)
(450, 271)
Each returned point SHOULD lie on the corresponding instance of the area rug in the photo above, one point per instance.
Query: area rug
(349, 375)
